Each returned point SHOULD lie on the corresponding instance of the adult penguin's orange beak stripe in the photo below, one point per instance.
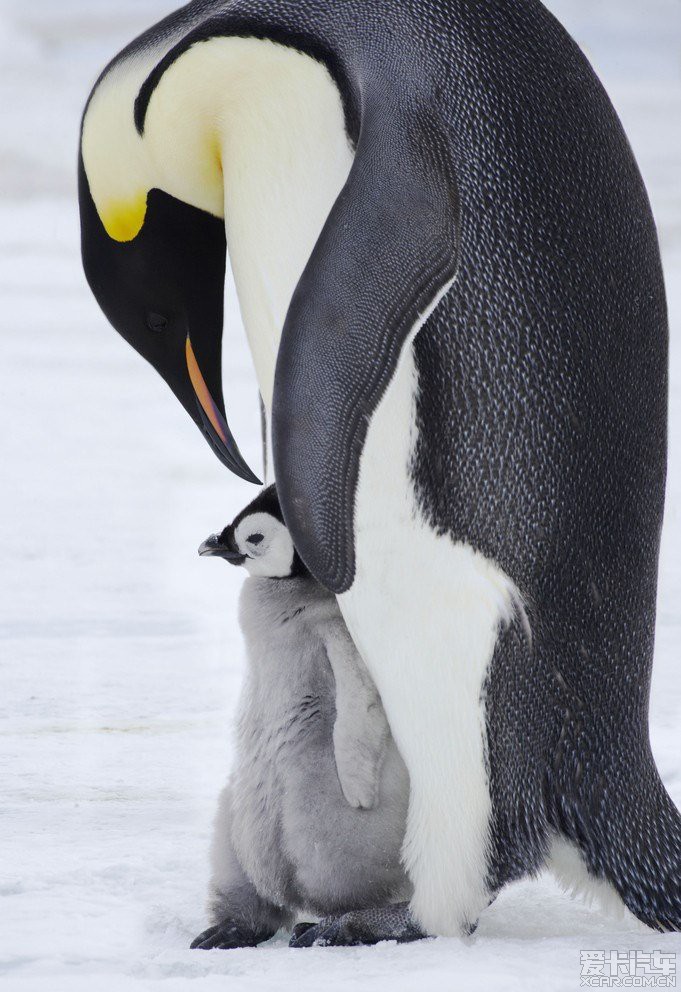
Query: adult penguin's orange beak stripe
(216, 427)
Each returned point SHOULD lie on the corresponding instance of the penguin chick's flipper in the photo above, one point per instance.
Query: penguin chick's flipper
(361, 732)
(361, 926)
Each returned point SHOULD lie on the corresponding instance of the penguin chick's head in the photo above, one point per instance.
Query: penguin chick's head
(259, 540)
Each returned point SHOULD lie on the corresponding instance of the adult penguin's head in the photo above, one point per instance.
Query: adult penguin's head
(153, 247)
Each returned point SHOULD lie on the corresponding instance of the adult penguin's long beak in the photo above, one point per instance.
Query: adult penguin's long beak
(215, 426)
(162, 289)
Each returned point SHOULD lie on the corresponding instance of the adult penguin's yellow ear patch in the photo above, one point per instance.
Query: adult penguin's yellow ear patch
(123, 219)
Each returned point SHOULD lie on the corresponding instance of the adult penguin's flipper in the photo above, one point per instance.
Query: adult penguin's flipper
(385, 256)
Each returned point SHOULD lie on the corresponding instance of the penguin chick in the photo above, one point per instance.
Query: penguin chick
(314, 814)
(259, 540)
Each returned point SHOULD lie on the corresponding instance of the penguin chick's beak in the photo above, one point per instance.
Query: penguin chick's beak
(214, 547)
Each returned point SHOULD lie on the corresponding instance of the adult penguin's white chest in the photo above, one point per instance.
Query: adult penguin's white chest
(285, 158)
(425, 614)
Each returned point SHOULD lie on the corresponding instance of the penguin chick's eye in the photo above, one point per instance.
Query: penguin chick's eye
(156, 322)
(254, 538)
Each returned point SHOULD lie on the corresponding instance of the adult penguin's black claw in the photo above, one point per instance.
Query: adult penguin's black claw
(360, 927)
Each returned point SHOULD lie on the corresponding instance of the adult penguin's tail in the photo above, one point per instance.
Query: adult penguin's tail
(628, 831)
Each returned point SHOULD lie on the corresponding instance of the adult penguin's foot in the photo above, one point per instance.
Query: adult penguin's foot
(361, 926)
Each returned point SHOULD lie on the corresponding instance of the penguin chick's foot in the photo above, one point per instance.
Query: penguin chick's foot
(226, 936)
(361, 926)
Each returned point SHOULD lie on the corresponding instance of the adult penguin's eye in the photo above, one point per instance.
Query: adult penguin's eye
(156, 321)
(254, 538)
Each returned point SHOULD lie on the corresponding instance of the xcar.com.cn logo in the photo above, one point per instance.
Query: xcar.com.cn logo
(628, 969)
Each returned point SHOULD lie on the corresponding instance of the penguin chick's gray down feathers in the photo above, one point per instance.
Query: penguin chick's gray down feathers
(313, 816)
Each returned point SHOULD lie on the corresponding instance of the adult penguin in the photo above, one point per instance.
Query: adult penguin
(450, 280)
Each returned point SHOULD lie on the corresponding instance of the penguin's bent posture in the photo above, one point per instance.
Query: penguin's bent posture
(314, 814)
(450, 279)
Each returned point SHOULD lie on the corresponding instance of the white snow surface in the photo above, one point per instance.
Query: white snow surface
(120, 654)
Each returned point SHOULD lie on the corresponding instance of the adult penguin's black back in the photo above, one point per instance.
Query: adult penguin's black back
(494, 230)
(547, 369)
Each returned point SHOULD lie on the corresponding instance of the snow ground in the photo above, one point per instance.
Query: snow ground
(120, 658)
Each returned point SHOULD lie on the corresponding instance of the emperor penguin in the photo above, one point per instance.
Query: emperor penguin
(314, 814)
(450, 280)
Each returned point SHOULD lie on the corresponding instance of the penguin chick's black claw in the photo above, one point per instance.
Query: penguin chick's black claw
(299, 930)
(203, 938)
(226, 936)
(367, 926)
